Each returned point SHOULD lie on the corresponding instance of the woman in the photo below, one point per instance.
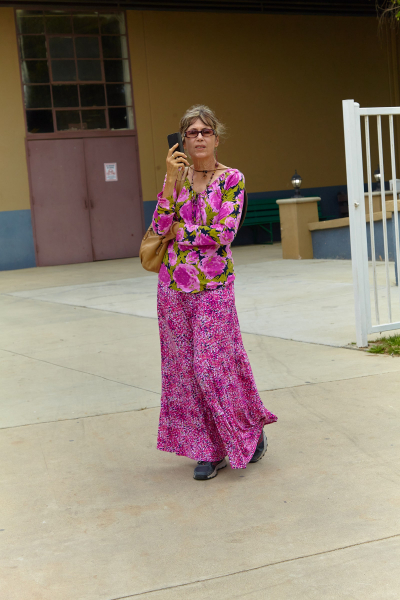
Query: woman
(210, 406)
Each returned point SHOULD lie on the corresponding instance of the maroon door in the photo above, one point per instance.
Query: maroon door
(59, 202)
(115, 206)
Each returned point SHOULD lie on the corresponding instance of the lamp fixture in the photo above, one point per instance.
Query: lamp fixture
(296, 183)
(377, 177)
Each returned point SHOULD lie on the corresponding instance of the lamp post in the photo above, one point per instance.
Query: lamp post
(377, 177)
(296, 183)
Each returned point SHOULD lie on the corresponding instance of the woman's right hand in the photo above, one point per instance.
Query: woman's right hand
(175, 162)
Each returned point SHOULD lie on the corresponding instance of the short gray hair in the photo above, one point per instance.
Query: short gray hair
(200, 111)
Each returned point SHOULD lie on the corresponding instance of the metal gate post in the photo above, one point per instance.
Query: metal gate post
(358, 235)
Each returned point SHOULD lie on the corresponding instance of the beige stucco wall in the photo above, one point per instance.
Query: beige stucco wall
(14, 188)
(276, 81)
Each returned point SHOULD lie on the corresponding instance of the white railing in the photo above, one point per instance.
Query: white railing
(365, 275)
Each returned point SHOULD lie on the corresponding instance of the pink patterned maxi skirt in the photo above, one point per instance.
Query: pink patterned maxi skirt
(210, 406)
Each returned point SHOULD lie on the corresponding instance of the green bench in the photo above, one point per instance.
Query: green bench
(263, 212)
(326, 217)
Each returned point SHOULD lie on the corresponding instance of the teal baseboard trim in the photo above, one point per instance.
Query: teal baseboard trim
(17, 249)
(148, 208)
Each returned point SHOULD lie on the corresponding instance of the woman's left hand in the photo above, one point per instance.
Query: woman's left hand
(172, 233)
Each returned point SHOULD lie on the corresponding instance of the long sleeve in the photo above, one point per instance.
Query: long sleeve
(200, 256)
(224, 226)
(164, 213)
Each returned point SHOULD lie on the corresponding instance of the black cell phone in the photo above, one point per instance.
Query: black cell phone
(175, 138)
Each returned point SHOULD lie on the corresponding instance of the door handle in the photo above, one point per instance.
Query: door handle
(86, 203)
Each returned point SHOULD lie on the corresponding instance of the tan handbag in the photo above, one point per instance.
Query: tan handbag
(153, 248)
(152, 251)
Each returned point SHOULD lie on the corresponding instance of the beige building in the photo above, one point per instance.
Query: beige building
(86, 90)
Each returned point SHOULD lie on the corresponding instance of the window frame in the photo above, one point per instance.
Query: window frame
(78, 133)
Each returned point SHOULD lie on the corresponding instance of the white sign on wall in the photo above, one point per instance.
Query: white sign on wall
(110, 170)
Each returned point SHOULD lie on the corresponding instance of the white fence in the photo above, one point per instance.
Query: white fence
(374, 281)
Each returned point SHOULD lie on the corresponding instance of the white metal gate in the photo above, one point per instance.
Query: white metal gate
(375, 280)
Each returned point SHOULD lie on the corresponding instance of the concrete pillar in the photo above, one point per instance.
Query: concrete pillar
(295, 215)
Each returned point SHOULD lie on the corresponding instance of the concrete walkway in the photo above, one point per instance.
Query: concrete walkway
(92, 511)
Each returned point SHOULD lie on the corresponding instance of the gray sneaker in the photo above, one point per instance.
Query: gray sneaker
(260, 450)
(208, 470)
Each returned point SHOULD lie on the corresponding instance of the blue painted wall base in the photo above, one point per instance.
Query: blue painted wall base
(335, 243)
(16, 240)
(148, 208)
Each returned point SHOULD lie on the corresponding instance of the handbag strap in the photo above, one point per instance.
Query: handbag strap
(179, 182)
(244, 209)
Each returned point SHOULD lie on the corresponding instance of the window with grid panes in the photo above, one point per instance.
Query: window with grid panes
(75, 71)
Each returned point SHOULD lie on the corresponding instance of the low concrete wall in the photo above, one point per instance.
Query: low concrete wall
(331, 239)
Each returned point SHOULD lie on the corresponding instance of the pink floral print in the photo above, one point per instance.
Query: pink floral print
(200, 257)
(164, 223)
(192, 257)
(186, 278)
(172, 256)
(232, 180)
(212, 266)
(210, 406)
(163, 275)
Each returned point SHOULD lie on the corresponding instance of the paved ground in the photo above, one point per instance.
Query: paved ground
(92, 511)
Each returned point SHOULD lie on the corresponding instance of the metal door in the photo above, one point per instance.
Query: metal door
(59, 202)
(116, 212)
(382, 291)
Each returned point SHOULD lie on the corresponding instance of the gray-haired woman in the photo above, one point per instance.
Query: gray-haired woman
(210, 406)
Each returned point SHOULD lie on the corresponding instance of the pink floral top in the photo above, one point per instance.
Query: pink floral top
(200, 256)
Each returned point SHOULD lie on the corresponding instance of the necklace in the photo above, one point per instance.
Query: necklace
(205, 171)
(195, 197)
(204, 176)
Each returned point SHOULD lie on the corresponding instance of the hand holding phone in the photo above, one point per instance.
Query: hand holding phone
(175, 138)
(176, 157)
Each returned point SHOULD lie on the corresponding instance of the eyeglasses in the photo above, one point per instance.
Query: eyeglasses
(193, 133)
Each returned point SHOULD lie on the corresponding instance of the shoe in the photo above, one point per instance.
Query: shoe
(260, 450)
(208, 470)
